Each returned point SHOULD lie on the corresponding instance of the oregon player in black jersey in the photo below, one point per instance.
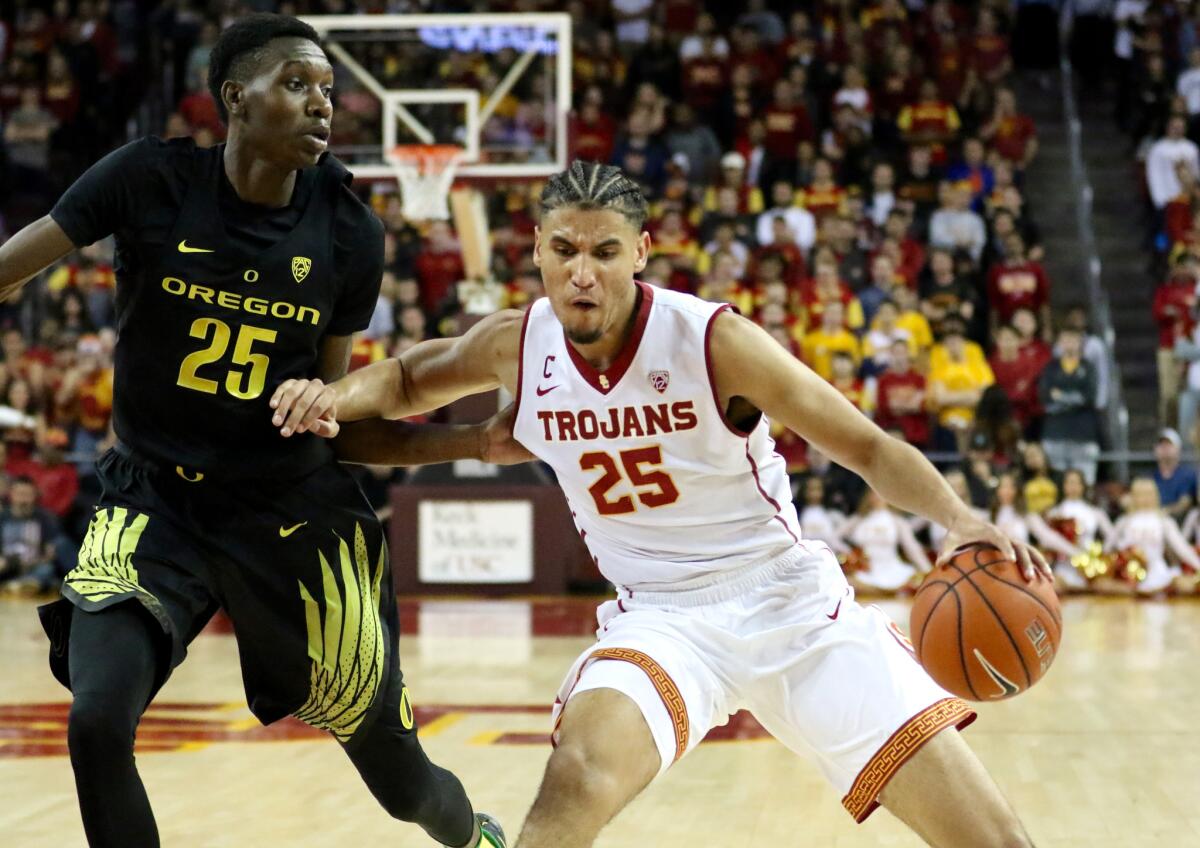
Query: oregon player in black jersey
(238, 267)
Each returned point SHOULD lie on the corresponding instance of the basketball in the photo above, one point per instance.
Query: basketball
(982, 631)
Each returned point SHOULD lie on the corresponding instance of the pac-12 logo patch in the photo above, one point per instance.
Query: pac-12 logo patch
(300, 267)
(660, 380)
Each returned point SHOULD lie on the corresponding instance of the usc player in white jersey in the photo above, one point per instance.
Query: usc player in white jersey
(651, 406)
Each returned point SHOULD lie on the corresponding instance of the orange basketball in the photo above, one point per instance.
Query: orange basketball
(980, 630)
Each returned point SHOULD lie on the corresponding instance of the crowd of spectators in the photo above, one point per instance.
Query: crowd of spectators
(1156, 51)
(849, 173)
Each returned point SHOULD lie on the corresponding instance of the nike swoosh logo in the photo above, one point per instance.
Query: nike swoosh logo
(284, 532)
(836, 610)
(1007, 687)
(183, 248)
(541, 391)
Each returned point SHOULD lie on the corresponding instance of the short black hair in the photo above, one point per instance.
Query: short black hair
(591, 185)
(240, 48)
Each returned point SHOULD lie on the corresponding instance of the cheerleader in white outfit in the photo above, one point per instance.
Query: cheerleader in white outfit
(1146, 527)
(818, 522)
(881, 534)
(1008, 513)
(1091, 525)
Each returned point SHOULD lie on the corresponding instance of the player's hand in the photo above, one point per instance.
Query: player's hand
(972, 531)
(498, 445)
(304, 405)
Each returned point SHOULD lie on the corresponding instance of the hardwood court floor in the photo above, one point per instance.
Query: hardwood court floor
(1103, 753)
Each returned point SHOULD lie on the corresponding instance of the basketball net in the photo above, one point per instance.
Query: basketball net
(425, 173)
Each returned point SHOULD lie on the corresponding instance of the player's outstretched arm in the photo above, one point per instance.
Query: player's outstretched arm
(30, 251)
(375, 441)
(771, 379)
(427, 376)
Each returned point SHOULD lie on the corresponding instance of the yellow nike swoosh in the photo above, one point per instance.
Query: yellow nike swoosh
(183, 248)
(284, 532)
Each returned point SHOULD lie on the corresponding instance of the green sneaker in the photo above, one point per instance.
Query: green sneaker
(491, 834)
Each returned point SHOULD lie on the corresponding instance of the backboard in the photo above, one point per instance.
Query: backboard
(498, 85)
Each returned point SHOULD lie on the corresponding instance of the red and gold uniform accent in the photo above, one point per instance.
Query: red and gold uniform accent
(667, 690)
(863, 796)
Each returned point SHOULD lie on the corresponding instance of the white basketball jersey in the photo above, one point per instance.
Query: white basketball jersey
(663, 489)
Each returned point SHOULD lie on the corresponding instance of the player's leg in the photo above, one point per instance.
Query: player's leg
(852, 697)
(588, 779)
(115, 658)
(946, 795)
(319, 640)
(389, 757)
(629, 707)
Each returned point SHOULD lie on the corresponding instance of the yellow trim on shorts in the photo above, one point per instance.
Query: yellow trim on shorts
(346, 644)
(105, 566)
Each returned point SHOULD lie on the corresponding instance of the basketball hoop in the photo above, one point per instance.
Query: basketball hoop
(425, 173)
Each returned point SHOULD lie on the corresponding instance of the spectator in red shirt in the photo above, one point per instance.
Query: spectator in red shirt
(990, 55)
(1179, 212)
(953, 68)
(60, 95)
(1017, 373)
(704, 77)
(1174, 301)
(788, 122)
(57, 481)
(930, 121)
(20, 363)
(941, 17)
(199, 109)
(1014, 283)
(439, 266)
(912, 253)
(1033, 343)
(1011, 133)
(749, 52)
(900, 398)
(593, 132)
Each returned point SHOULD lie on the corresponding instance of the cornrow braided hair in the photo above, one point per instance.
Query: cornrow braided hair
(591, 185)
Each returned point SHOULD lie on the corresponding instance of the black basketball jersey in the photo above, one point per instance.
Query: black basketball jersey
(219, 302)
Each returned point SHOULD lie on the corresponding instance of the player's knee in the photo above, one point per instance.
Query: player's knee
(576, 774)
(404, 804)
(96, 729)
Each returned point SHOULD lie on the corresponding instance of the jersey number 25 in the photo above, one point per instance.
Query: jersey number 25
(655, 488)
(244, 385)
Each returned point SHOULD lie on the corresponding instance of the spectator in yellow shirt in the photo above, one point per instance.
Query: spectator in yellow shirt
(830, 337)
(673, 240)
(958, 374)
(722, 285)
(911, 321)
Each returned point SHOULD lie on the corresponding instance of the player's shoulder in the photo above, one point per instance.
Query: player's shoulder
(498, 335)
(680, 303)
(152, 151)
(354, 216)
(151, 155)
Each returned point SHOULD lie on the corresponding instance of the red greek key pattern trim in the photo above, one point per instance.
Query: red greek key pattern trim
(667, 690)
(863, 795)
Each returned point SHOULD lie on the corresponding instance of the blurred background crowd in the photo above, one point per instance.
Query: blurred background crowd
(850, 173)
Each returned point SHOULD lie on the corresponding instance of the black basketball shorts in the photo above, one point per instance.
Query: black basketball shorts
(299, 566)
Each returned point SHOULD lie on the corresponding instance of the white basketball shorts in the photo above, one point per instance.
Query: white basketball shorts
(832, 680)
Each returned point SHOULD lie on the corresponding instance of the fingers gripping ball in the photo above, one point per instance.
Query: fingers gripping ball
(982, 631)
